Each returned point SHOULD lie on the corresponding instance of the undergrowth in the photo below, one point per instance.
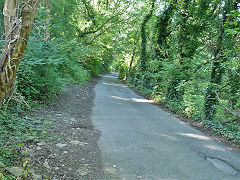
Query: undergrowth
(16, 132)
(45, 69)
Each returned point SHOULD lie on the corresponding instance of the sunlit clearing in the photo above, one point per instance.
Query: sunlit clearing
(195, 136)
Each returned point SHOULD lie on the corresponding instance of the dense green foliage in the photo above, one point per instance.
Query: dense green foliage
(192, 61)
(183, 53)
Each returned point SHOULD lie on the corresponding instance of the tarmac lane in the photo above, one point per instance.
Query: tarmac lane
(139, 140)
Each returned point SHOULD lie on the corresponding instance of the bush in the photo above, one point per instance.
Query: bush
(73, 72)
(38, 78)
(95, 67)
(123, 70)
(38, 82)
(46, 68)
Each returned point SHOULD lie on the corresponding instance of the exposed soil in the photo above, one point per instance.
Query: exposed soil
(72, 152)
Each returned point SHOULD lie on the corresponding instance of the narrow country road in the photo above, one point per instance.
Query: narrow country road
(141, 141)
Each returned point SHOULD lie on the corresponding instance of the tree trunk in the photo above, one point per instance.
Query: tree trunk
(17, 34)
(47, 31)
(217, 71)
(131, 63)
(144, 37)
(162, 31)
(10, 13)
(90, 11)
(183, 39)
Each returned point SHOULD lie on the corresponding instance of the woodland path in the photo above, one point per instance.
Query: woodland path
(141, 141)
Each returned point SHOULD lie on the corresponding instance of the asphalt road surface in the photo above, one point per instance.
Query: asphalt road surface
(141, 141)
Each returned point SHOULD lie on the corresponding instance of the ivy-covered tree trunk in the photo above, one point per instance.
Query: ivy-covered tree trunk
(188, 41)
(234, 87)
(131, 63)
(47, 31)
(17, 34)
(185, 52)
(234, 74)
(144, 37)
(162, 30)
(90, 11)
(163, 33)
(217, 70)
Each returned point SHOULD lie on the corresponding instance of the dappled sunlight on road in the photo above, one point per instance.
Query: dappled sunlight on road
(176, 139)
(139, 100)
(142, 100)
(214, 147)
(120, 98)
(155, 133)
(112, 75)
(116, 103)
(172, 138)
(196, 136)
(113, 84)
(109, 76)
